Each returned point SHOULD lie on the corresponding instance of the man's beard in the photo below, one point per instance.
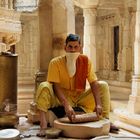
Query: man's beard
(71, 62)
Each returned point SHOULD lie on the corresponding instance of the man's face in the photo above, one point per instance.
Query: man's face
(73, 46)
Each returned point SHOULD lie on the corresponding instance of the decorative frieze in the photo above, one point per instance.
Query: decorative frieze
(106, 17)
(10, 21)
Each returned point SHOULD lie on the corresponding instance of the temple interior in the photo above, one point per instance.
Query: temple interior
(32, 32)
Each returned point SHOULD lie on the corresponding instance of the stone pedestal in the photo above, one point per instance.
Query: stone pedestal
(128, 121)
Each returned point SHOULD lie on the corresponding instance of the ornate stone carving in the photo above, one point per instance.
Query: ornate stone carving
(10, 22)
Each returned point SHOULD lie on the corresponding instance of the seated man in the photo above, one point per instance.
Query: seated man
(66, 82)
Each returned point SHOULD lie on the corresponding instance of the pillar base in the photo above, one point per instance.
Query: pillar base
(128, 121)
(128, 127)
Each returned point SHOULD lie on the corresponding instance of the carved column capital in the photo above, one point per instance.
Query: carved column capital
(90, 16)
(90, 11)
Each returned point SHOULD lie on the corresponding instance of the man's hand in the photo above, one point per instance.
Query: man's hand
(70, 112)
(68, 109)
(96, 93)
(99, 110)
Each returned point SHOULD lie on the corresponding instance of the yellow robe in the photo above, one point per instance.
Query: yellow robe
(57, 72)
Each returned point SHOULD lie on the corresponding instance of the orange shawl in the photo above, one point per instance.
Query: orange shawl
(81, 72)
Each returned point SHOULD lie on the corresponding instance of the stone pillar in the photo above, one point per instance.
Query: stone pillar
(89, 34)
(134, 99)
(63, 24)
(126, 52)
(129, 118)
(79, 23)
(45, 27)
(6, 4)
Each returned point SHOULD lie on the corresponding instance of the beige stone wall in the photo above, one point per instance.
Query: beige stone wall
(56, 19)
(63, 24)
(123, 17)
(43, 36)
(28, 48)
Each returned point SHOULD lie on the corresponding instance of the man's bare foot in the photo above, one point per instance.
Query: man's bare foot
(42, 133)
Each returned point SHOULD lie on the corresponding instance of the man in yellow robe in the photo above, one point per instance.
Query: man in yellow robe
(66, 82)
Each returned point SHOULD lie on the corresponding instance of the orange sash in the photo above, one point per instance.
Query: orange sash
(81, 72)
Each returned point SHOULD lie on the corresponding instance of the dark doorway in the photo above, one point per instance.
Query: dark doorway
(116, 46)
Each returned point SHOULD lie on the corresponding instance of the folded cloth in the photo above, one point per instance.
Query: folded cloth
(81, 72)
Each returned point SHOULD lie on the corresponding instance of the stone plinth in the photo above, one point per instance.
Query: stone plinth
(128, 121)
(134, 104)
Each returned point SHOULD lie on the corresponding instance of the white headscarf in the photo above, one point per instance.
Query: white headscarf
(71, 62)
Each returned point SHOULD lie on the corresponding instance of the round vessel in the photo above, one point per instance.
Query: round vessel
(9, 134)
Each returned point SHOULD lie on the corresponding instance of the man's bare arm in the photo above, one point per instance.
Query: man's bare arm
(95, 90)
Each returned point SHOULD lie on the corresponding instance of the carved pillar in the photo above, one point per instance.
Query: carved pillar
(79, 22)
(126, 52)
(63, 11)
(89, 34)
(45, 28)
(134, 99)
